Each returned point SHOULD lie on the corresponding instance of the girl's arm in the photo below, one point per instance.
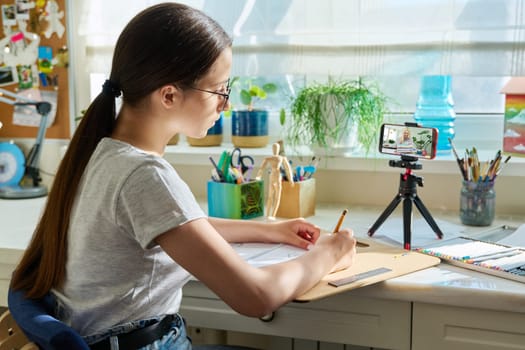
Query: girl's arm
(297, 232)
(251, 291)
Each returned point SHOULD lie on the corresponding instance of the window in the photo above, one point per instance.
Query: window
(480, 43)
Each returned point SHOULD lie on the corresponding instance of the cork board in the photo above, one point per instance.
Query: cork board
(39, 16)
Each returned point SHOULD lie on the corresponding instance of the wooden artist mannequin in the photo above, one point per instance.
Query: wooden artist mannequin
(274, 191)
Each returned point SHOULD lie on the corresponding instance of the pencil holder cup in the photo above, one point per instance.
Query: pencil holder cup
(477, 203)
(298, 200)
(235, 201)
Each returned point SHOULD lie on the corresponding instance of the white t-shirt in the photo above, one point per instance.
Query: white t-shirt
(115, 272)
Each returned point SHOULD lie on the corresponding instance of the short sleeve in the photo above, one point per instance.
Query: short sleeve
(153, 200)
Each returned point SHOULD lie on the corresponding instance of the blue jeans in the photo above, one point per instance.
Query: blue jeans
(175, 339)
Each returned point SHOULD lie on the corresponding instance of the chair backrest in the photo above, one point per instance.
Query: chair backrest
(35, 318)
(11, 336)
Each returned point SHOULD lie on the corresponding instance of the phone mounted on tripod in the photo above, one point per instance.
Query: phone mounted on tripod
(407, 193)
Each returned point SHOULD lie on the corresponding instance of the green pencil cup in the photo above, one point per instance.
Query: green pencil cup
(235, 201)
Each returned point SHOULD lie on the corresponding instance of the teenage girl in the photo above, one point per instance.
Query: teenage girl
(121, 232)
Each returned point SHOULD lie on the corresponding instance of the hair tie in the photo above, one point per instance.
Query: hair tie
(111, 88)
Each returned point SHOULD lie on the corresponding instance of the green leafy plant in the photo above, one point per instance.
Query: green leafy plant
(322, 113)
(250, 124)
(250, 93)
(422, 141)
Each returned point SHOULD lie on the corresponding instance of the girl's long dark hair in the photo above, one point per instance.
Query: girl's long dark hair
(167, 43)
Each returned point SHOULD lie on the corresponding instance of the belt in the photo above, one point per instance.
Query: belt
(137, 338)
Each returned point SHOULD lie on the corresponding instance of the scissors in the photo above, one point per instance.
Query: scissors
(243, 163)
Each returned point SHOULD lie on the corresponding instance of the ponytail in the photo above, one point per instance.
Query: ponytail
(43, 264)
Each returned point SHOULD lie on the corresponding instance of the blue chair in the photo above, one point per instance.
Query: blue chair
(34, 317)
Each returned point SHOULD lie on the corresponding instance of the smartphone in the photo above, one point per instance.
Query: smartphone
(408, 139)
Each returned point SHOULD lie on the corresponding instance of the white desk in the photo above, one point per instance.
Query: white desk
(443, 307)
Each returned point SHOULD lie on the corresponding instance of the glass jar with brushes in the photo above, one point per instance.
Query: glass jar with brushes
(477, 203)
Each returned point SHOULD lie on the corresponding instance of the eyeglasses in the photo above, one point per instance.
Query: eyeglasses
(224, 95)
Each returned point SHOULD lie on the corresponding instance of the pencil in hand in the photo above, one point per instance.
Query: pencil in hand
(340, 222)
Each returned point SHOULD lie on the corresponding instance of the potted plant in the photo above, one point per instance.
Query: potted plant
(250, 125)
(213, 136)
(339, 116)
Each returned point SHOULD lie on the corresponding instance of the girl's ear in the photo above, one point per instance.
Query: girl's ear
(170, 95)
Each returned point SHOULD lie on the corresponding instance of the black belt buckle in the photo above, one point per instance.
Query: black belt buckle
(138, 338)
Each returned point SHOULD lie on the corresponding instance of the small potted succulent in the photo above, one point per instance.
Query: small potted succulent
(249, 124)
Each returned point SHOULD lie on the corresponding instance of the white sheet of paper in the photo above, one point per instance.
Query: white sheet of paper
(263, 254)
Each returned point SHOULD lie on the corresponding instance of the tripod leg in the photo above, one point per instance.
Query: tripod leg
(407, 222)
(426, 214)
(389, 209)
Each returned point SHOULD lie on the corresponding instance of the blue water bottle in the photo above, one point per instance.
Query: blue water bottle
(435, 108)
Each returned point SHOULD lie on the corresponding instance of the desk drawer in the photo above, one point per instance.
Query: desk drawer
(343, 319)
(457, 328)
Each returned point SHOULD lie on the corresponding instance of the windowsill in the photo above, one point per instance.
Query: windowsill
(443, 164)
(480, 130)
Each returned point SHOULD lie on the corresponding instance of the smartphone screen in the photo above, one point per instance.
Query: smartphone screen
(416, 141)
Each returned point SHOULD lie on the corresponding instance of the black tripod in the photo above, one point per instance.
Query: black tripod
(408, 193)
